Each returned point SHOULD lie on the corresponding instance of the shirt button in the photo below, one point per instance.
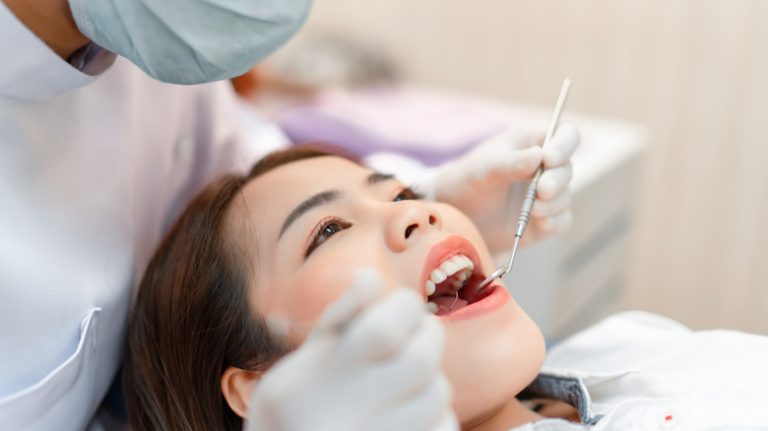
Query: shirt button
(181, 147)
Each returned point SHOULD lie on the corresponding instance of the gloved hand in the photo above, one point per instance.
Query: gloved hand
(488, 184)
(372, 362)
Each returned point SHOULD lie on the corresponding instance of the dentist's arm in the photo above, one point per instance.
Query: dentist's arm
(372, 362)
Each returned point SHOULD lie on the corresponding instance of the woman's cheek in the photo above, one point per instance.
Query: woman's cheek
(321, 282)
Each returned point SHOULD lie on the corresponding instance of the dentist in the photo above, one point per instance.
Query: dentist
(100, 149)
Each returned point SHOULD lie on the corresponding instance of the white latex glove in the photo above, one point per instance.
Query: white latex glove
(479, 184)
(372, 362)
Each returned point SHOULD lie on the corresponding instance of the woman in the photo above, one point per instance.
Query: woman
(229, 264)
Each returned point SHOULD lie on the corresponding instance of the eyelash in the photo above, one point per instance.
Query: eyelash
(409, 194)
(405, 194)
(316, 234)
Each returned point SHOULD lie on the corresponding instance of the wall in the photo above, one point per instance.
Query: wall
(694, 71)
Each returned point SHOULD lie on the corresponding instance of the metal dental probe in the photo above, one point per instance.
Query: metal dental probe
(530, 194)
(455, 299)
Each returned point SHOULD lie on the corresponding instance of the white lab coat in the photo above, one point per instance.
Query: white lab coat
(93, 170)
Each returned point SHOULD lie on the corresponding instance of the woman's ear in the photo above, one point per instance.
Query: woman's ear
(237, 386)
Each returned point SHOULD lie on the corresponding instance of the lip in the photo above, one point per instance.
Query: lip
(497, 298)
(444, 250)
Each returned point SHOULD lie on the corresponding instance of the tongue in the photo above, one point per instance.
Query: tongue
(444, 304)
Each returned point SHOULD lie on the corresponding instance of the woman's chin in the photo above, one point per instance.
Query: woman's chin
(490, 361)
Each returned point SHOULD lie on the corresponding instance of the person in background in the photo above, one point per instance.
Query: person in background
(101, 148)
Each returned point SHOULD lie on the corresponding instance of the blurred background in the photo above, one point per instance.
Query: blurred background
(682, 84)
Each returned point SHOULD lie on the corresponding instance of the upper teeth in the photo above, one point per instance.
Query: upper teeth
(456, 264)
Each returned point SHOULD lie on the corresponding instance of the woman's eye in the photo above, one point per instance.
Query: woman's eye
(326, 230)
(407, 194)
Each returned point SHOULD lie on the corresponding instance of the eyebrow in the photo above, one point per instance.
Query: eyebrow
(324, 198)
(378, 177)
(314, 201)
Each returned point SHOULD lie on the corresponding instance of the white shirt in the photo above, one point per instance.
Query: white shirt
(640, 371)
(93, 170)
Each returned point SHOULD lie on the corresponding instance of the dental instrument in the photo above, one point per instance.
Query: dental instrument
(530, 194)
(456, 298)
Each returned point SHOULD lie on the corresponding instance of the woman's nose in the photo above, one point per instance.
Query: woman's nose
(408, 221)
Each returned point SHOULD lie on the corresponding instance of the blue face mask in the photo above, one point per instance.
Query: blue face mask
(190, 41)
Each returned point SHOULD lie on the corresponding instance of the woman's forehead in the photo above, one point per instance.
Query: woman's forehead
(299, 179)
(270, 197)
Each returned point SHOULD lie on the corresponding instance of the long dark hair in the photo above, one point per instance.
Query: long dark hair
(191, 319)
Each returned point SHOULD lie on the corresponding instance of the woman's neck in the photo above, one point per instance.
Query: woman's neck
(510, 415)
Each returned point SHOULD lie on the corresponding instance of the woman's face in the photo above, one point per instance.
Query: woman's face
(316, 221)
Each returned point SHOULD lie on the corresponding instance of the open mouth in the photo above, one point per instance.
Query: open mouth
(452, 274)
